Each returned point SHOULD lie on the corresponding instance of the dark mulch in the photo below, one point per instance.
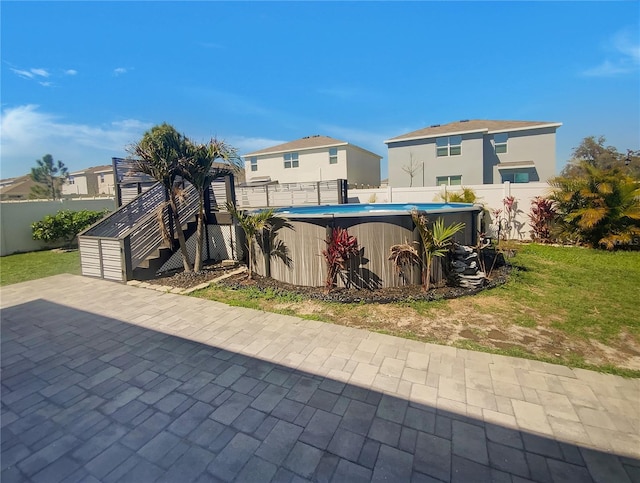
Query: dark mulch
(178, 278)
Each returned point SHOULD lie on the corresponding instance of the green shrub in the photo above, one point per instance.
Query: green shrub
(65, 225)
(599, 208)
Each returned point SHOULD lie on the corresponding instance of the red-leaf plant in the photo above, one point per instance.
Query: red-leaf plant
(542, 213)
(340, 247)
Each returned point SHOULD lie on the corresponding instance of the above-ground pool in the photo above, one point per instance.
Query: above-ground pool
(296, 252)
(373, 208)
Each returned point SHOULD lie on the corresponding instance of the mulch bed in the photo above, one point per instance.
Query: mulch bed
(180, 279)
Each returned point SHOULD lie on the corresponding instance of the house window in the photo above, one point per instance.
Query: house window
(333, 155)
(72, 180)
(102, 178)
(254, 163)
(500, 142)
(449, 146)
(515, 176)
(291, 160)
(449, 180)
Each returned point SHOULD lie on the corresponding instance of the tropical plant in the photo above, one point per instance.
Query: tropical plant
(404, 255)
(50, 176)
(600, 208)
(198, 168)
(64, 225)
(252, 225)
(435, 242)
(340, 248)
(541, 216)
(466, 195)
(159, 154)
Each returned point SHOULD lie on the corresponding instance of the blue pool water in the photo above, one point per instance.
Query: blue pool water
(354, 209)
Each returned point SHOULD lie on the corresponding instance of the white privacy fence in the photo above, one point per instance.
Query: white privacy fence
(490, 195)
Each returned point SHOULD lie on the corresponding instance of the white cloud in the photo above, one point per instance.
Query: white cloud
(40, 72)
(27, 133)
(623, 56)
(71, 72)
(119, 71)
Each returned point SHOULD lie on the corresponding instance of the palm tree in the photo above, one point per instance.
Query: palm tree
(435, 242)
(467, 195)
(252, 224)
(198, 168)
(600, 207)
(159, 154)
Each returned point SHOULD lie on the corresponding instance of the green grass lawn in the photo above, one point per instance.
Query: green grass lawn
(30, 266)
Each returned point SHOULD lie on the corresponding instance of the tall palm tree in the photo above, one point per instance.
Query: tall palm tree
(159, 154)
(198, 168)
(252, 224)
(435, 242)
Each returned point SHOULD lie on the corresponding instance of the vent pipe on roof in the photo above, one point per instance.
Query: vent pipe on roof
(435, 125)
(464, 120)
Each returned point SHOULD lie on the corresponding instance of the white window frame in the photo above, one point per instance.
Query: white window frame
(449, 146)
(333, 155)
(292, 160)
(447, 179)
(500, 142)
(253, 163)
(71, 180)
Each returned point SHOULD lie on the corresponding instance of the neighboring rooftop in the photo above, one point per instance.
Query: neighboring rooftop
(307, 142)
(94, 169)
(472, 125)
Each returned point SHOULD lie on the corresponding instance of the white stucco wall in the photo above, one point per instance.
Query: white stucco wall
(363, 168)
(16, 218)
(79, 186)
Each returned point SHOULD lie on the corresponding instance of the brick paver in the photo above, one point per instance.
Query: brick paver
(108, 382)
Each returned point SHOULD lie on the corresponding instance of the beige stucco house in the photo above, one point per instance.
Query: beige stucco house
(311, 159)
(474, 152)
(94, 181)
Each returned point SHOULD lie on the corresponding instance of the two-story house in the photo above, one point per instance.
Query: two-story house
(473, 152)
(313, 158)
(94, 181)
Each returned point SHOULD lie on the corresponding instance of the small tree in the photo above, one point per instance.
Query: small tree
(50, 176)
(198, 168)
(411, 169)
(435, 242)
(252, 225)
(159, 154)
(340, 248)
(64, 225)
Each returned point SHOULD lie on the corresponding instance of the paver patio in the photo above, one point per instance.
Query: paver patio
(108, 382)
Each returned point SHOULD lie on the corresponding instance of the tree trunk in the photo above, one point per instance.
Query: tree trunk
(197, 265)
(426, 284)
(182, 242)
(250, 248)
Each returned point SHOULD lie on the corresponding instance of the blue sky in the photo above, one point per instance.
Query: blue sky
(84, 80)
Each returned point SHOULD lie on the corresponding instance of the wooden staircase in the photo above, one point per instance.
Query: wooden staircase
(148, 268)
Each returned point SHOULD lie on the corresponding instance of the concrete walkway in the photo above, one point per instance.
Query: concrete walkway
(108, 382)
